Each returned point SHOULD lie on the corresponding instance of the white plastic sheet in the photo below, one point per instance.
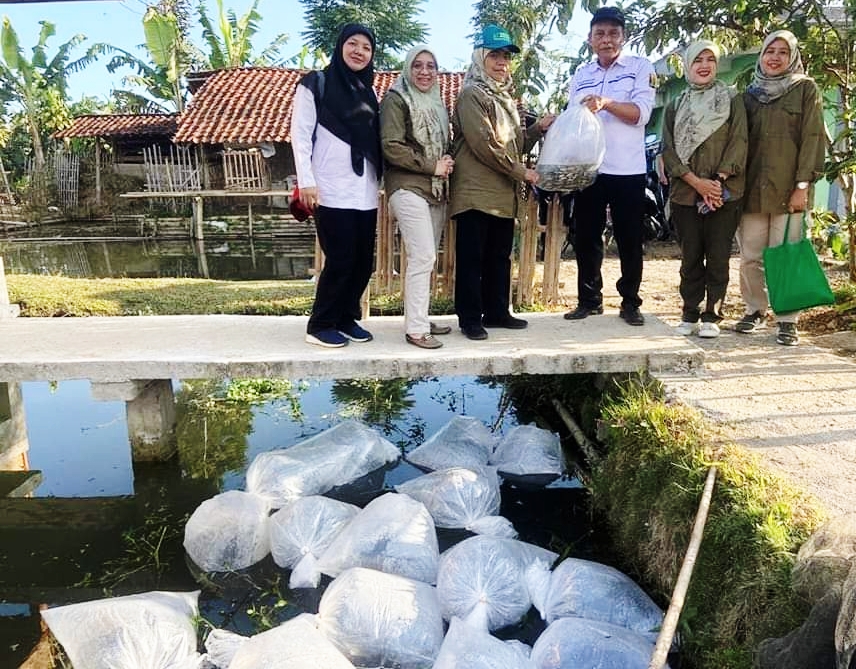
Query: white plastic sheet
(154, 630)
(462, 442)
(228, 532)
(467, 647)
(529, 450)
(461, 498)
(577, 643)
(302, 530)
(382, 620)
(482, 580)
(332, 458)
(394, 534)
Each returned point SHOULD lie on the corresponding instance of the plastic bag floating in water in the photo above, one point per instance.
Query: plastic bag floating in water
(462, 442)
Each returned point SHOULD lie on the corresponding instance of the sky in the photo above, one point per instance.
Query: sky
(119, 22)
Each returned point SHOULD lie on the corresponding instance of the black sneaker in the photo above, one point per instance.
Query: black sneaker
(788, 335)
(751, 323)
(474, 332)
(327, 338)
(355, 333)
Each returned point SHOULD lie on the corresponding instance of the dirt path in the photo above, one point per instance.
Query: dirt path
(794, 406)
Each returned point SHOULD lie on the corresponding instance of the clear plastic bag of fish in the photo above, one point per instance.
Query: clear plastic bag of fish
(393, 534)
(382, 620)
(302, 530)
(577, 643)
(572, 151)
(460, 498)
(332, 458)
(154, 630)
(467, 647)
(529, 455)
(482, 580)
(228, 532)
(464, 441)
(586, 589)
(295, 644)
(221, 646)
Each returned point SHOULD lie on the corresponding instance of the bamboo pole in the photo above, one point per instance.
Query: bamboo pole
(585, 444)
(670, 621)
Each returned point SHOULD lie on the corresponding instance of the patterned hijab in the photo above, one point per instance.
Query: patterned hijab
(427, 114)
(500, 91)
(766, 89)
(701, 109)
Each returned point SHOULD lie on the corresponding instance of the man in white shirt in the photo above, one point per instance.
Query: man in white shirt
(618, 88)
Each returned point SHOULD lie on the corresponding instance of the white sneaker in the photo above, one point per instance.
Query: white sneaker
(708, 330)
(686, 328)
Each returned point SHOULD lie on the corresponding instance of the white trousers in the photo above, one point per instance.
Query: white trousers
(421, 225)
(755, 233)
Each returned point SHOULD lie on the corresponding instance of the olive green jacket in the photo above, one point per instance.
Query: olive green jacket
(488, 167)
(405, 164)
(724, 151)
(787, 144)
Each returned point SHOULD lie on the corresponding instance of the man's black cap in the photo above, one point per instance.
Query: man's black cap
(608, 15)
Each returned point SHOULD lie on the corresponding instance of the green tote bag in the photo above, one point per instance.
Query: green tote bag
(795, 279)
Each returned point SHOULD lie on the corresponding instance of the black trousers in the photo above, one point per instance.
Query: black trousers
(482, 267)
(706, 241)
(347, 238)
(625, 196)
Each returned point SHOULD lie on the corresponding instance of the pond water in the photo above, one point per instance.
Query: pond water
(98, 523)
(101, 252)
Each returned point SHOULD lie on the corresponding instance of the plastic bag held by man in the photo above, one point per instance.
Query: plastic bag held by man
(573, 150)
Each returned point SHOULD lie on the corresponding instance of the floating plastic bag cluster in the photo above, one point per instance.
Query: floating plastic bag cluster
(332, 458)
(572, 151)
(153, 630)
(529, 451)
(462, 442)
(228, 532)
(382, 620)
(461, 498)
(467, 647)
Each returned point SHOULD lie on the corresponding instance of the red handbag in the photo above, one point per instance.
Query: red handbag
(299, 210)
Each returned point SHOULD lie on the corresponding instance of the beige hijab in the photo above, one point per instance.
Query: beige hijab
(701, 110)
(500, 91)
(428, 114)
(767, 89)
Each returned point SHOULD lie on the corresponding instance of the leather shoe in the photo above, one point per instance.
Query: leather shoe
(583, 311)
(474, 332)
(437, 329)
(632, 316)
(509, 322)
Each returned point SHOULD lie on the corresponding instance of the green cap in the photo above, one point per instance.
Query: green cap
(493, 37)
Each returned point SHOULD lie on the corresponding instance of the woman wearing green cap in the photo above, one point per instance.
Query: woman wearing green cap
(786, 153)
(704, 141)
(488, 147)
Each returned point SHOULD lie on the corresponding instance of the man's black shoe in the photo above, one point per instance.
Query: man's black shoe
(632, 316)
(509, 322)
(583, 311)
(474, 332)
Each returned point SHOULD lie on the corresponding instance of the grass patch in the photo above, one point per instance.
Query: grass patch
(649, 484)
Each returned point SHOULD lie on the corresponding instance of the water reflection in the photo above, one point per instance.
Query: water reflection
(105, 522)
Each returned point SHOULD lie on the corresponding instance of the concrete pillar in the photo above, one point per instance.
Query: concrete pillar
(14, 444)
(6, 310)
(151, 422)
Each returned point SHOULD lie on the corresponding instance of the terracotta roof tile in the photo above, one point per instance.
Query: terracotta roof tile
(253, 104)
(120, 125)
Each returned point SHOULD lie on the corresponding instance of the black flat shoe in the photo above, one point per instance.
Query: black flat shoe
(583, 311)
(509, 322)
(474, 332)
(632, 316)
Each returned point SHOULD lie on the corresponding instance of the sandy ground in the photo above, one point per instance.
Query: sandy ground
(794, 406)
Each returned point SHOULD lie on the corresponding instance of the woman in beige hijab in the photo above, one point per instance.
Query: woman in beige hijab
(704, 153)
(415, 139)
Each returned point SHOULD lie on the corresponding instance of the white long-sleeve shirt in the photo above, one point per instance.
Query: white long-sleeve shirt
(628, 79)
(327, 164)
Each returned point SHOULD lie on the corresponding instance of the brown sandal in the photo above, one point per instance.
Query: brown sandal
(425, 341)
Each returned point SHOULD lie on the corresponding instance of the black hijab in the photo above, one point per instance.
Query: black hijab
(349, 108)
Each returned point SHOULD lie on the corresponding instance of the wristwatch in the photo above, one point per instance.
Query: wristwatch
(802, 185)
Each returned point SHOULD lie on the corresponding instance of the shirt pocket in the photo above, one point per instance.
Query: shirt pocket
(621, 88)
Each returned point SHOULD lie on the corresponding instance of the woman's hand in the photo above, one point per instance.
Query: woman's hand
(798, 200)
(444, 166)
(545, 122)
(309, 197)
(531, 176)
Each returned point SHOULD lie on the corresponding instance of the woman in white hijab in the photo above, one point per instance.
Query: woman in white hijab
(787, 142)
(704, 153)
(488, 149)
(414, 140)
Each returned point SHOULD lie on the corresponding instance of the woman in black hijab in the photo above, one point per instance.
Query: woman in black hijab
(336, 140)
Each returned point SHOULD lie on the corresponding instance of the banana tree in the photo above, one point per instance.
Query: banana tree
(230, 41)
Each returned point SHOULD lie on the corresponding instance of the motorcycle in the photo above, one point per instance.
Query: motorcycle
(656, 221)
